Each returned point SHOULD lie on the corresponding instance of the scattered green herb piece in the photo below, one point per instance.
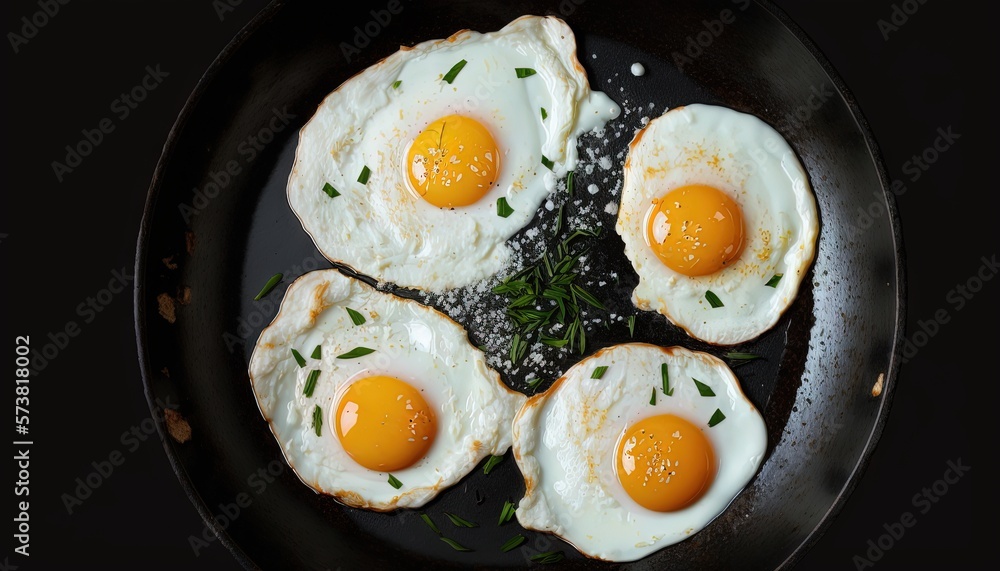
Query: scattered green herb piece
(268, 286)
(523, 72)
(631, 325)
(459, 522)
(394, 482)
(545, 114)
(455, 545)
(356, 352)
(356, 317)
(553, 342)
(533, 383)
(503, 209)
(430, 523)
(518, 347)
(453, 72)
(397, 83)
(299, 358)
(569, 182)
(713, 299)
(599, 372)
(482, 348)
(666, 380)
(547, 557)
(330, 191)
(506, 513)
(512, 543)
(311, 383)
(703, 389)
(365, 173)
(737, 356)
(773, 282)
(717, 417)
(548, 163)
(559, 221)
(317, 352)
(491, 462)
(652, 397)
(318, 420)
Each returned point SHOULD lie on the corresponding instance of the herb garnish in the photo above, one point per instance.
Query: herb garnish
(666, 380)
(773, 282)
(599, 372)
(523, 72)
(512, 543)
(356, 352)
(298, 358)
(318, 420)
(491, 462)
(713, 299)
(394, 482)
(717, 417)
(453, 72)
(703, 389)
(503, 209)
(356, 317)
(330, 191)
(268, 286)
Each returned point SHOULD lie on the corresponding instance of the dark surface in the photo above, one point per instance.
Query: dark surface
(138, 515)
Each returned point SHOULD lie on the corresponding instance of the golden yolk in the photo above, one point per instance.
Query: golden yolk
(453, 162)
(664, 463)
(384, 423)
(695, 230)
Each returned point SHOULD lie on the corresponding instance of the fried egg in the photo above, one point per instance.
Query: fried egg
(635, 448)
(718, 220)
(375, 399)
(419, 168)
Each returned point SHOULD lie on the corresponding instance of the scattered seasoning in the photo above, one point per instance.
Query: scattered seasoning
(713, 299)
(503, 209)
(394, 482)
(330, 191)
(523, 72)
(512, 543)
(703, 389)
(453, 72)
(365, 173)
(318, 420)
(717, 417)
(773, 282)
(599, 372)
(459, 522)
(666, 380)
(298, 358)
(430, 523)
(356, 317)
(506, 513)
(491, 463)
(268, 286)
(356, 352)
(311, 383)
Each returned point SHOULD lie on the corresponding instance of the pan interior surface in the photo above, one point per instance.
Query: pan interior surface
(217, 225)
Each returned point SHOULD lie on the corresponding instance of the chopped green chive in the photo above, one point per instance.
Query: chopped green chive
(737, 356)
(503, 209)
(523, 72)
(548, 163)
(559, 221)
(518, 347)
(356, 352)
(717, 417)
(512, 543)
(317, 352)
(666, 380)
(599, 372)
(506, 513)
(330, 191)
(459, 522)
(545, 114)
(533, 383)
(299, 358)
(482, 348)
(713, 299)
(455, 545)
(553, 342)
(356, 317)
(268, 286)
(547, 557)
(397, 83)
(318, 420)
(311, 383)
(773, 282)
(491, 463)
(430, 523)
(569, 182)
(394, 482)
(631, 326)
(703, 389)
(586, 296)
(365, 173)
(652, 397)
(453, 72)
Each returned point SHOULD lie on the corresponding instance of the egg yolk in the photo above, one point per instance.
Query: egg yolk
(664, 463)
(384, 424)
(453, 162)
(695, 230)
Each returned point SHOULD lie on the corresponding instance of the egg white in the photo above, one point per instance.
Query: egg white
(412, 342)
(746, 158)
(565, 441)
(381, 228)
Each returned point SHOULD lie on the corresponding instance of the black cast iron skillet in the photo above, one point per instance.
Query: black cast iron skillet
(227, 233)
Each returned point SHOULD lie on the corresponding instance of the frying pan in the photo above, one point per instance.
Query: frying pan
(217, 225)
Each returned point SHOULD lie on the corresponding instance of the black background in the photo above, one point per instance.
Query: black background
(61, 243)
